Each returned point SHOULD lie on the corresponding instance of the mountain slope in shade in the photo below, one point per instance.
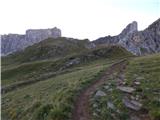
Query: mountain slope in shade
(51, 48)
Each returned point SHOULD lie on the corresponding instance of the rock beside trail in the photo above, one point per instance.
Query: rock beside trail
(137, 83)
(134, 117)
(71, 63)
(126, 89)
(111, 105)
(106, 87)
(100, 93)
(132, 104)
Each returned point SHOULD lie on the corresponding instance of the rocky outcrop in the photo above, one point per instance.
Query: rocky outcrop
(14, 42)
(137, 42)
(113, 40)
(143, 42)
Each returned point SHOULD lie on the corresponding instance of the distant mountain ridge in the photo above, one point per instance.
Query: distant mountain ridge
(14, 42)
(137, 42)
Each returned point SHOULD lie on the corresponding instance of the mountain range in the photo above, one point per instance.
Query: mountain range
(137, 42)
(45, 76)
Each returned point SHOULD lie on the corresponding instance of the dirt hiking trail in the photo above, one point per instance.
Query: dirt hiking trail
(81, 110)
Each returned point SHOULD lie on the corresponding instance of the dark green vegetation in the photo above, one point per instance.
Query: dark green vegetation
(50, 99)
(145, 71)
(46, 68)
(46, 49)
(59, 80)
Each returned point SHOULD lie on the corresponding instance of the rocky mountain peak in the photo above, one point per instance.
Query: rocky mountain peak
(154, 27)
(130, 28)
(138, 42)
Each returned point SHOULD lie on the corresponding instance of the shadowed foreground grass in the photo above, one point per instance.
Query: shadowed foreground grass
(51, 99)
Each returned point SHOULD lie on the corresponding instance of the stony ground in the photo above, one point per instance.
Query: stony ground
(81, 111)
(128, 90)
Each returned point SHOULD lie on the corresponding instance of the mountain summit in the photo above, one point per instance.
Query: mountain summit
(137, 42)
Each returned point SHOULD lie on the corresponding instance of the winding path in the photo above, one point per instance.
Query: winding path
(81, 109)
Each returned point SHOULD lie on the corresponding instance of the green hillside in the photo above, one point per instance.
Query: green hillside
(58, 82)
(50, 48)
(43, 81)
(48, 68)
(50, 99)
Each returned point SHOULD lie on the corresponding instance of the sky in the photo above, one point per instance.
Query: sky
(77, 18)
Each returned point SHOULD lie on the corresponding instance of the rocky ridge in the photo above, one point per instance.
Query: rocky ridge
(138, 42)
(14, 42)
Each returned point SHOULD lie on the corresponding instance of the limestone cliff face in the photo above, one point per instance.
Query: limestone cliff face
(137, 42)
(143, 42)
(13, 42)
(113, 40)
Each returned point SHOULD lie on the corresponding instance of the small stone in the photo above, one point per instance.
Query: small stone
(137, 83)
(109, 84)
(95, 114)
(110, 90)
(136, 103)
(95, 105)
(137, 97)
(126, 89)
(106, 87)
(100, 94)
(122, 76)
(132, 104)
(140, 78)
(134, 117)
(132, 97)
(110, 105)
(98, 110)
(124, 83)
(121, 83)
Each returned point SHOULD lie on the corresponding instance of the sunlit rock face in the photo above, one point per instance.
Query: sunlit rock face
(37, 35)
(138, 42)
(143, 42)
(14, 42)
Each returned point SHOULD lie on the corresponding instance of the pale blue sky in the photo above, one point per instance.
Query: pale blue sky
(77, 18)
(150, 6)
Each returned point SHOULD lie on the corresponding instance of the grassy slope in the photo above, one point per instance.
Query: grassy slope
(49, 48)
(51, 99)
(28, 71)
(36, 70)
(146, 70)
